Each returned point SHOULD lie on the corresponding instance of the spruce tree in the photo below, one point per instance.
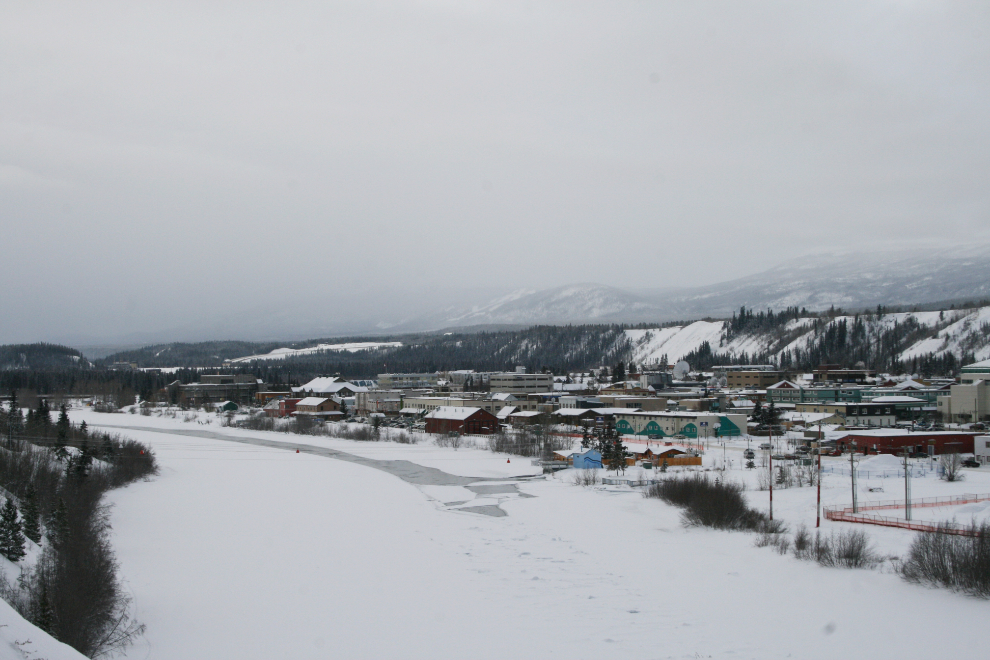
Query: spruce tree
(30, 516)
(80, 464)
(58, 449)
(57, 523)
(617, 455)
(83, 429)
(663, 466)
(11, 534)
(15, 418)
(107, 449)
(63, 418)
(42, 614)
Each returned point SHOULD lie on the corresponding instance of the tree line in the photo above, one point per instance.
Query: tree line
(58, 472)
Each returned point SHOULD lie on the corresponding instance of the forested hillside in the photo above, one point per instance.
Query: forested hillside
(929, 343)
(924, 342)
(559, 348)
(39, 356)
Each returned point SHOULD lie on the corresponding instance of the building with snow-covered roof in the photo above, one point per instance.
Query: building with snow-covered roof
(751, 378)
(892, 441)
(464, 420)
(973, 372)
(968, 402)
(658, 424)
(317, 406)
(521, 383)
(789, 392)
(408, 381)
(328, 386)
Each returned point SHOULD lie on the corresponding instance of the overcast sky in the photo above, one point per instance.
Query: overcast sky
(159, 161)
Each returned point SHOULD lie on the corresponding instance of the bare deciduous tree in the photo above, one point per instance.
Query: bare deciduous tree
(951, 465)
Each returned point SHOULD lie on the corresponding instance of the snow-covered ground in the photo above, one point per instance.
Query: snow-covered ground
(242, 551)
(20, 640)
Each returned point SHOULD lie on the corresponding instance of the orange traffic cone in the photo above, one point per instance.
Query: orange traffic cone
(297, 451)
(507, 461)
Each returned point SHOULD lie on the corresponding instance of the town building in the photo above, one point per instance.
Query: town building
(834, 373)
(388, 402)
(981, 448)
(894, 441)
(408, 381)
(315, 406)
(281, 407)
(751, 379)
(787, 391)
(216, 388)
(689, 424)
(328, 386)
(864, 414)
(464, 420)
(520, 382)
(969, 401)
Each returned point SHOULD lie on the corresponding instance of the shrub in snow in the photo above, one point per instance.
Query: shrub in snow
(587, 478)
(960, 563)
(709, 503)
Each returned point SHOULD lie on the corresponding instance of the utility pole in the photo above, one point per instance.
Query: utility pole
(852, 471)
(771, 471)
(818, 508)
(907, 487)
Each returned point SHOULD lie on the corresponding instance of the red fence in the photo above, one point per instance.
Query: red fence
(845, 514)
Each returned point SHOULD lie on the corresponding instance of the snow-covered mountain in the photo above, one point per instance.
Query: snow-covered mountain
(959, 332)
(852, 281)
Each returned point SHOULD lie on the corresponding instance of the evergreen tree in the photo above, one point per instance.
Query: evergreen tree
(617, 455)
(15, 418)
(57, 523)
(63, 418)
(107, 449)
(11, 533)
(42, 614)
(43, 415)
(772, 415)
(81, 463)
(30, 516)
(619, 373)
(663, 466)
(83, 429)
(59, 449)
(757, 415)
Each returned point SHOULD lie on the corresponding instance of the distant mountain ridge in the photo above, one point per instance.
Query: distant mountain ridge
(852, 281)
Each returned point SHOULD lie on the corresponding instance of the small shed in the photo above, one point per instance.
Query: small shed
(587, 460)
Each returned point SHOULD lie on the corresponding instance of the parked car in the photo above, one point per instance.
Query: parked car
(765, 445)
(803, 450)
(749, 454)
(971, 462)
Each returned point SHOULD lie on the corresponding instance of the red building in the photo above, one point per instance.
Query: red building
(894, 442)
(281, 407)
(468, 421)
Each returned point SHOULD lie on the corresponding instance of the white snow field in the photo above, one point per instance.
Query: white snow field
(239, 551)
(20, 640)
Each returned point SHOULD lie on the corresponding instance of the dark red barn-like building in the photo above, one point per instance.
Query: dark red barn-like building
(465, 420)
(894, 442)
